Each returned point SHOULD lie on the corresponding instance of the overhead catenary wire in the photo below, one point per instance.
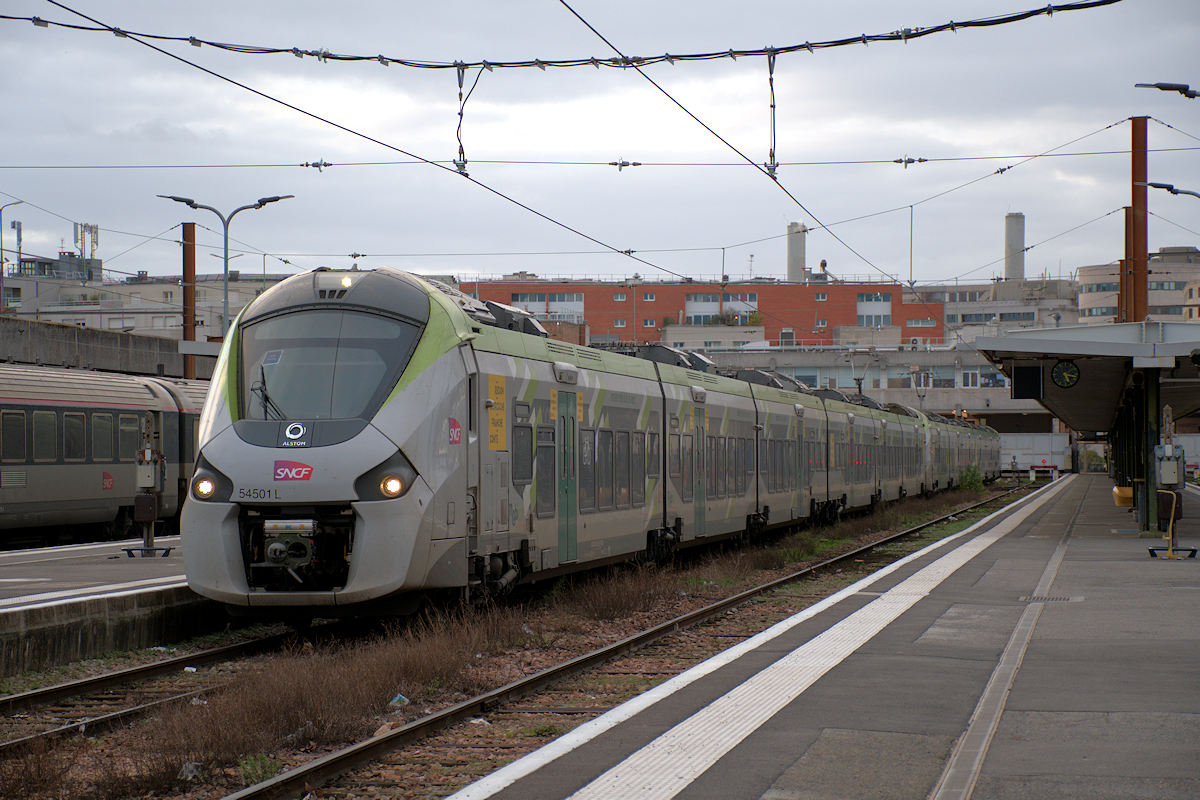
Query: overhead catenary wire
(323, 165)
(325, 56)
(366, 137)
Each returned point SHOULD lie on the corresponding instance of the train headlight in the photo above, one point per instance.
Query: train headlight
(204, 487)
(209, 484)
(391, 486)
(387, 481)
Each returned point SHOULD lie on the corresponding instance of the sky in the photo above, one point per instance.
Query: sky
(94, 126)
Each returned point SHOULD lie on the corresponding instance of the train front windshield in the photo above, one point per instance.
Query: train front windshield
(327, 364)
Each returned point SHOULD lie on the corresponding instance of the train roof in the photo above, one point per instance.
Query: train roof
(27, 384)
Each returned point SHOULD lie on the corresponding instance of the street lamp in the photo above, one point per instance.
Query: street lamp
(1172, 189)
(6, 205)
(190, 203)
(1182, 88)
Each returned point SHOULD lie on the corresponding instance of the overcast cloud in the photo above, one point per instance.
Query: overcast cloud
(75, 99)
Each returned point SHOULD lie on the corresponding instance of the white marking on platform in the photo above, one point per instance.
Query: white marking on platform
(667, 765)
(95, 592)
(23, 580)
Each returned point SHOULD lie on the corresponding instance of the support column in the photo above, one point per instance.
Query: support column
(1153, 419)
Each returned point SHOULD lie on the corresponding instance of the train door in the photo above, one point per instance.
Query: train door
(472, 443)
(698, 471)
(568, 479)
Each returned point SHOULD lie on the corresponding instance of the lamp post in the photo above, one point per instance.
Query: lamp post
(225, 220)
(6, 205)
(1182, 88)
(1172, 189)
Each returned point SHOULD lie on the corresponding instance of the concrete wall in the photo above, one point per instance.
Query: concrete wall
(28, 342)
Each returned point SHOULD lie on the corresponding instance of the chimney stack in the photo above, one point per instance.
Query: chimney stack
(796, 241)
(1014, 247)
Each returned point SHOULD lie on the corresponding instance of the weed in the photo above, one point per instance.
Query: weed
(258, 768)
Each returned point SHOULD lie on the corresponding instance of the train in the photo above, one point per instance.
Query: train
(90, 451)
(372, 438)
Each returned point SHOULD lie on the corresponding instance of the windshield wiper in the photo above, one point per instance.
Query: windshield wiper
(268, 405)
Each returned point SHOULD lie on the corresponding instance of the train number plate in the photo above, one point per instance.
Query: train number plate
(257, 493)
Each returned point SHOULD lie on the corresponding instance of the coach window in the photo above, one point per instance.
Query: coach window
(686, 459)
(719, 466)
(732, 476)
(587, 470)
(637, 465)
(622, 469)
(127, 437)
(102, 437)
(673, 455)
(604, 469)
(545, 471)
(45, 436)
(653, 455)
(522, 455)
(12, 436)
(73, 440)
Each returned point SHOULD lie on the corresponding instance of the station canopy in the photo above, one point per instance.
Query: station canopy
(1080, 373)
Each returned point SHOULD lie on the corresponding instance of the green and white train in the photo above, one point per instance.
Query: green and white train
(372, 437)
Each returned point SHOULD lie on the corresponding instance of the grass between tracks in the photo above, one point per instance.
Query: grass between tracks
(303, 702)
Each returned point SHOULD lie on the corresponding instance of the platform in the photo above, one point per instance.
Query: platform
(1040, 655)
(60, 604)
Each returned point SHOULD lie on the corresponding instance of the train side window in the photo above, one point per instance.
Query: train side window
(720, 466)
(604, 469)
(653, 455)
(74, 448)
(637, 463)
(673, 456)
(545, 471)
(587, 469)
(102, 437)
(685, 449)
(12, 436)
(731, 475)
(522, 455)
(622, 469)
(128, 435)
(45, 436)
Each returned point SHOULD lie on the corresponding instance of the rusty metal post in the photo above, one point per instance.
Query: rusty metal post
(1125, 273)
(189, 296)
(1139, 224)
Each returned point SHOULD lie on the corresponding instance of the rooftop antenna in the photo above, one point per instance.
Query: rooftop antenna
(752, 266)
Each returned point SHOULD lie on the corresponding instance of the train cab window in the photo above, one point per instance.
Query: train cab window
(621, 470)
(45, 436)
(673, 455)
(356, 356)
(637, 468)
(127, 438)
(73, 436)
(653, 455)
(102, 437)
(12, 436)
(587, 470)
(522, 455)
(604, 469)
(545, 471)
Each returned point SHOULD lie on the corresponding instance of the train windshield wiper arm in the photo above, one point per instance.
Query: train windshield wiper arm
(268, 405)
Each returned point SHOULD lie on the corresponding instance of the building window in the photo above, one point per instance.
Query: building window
(874, 320)
(648, 297)
(618, 297)
(647, 323)
(618, 323)
(821, 323)
(1170, 311)
(921, 323)
(528, 298)
(1017, 316)
(874, 297)
(820, 297)
(979, 318)
(970, 379)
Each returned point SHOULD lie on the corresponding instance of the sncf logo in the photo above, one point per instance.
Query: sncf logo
(292, 471)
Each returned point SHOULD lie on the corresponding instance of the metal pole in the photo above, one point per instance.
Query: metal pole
(1140, 223)
(189, 295)
(3, 305)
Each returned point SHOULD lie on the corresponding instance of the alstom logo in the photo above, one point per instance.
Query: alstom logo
(292, 471)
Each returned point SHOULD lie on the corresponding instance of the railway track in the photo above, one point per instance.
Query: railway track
(641, 670)
(37, 717)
